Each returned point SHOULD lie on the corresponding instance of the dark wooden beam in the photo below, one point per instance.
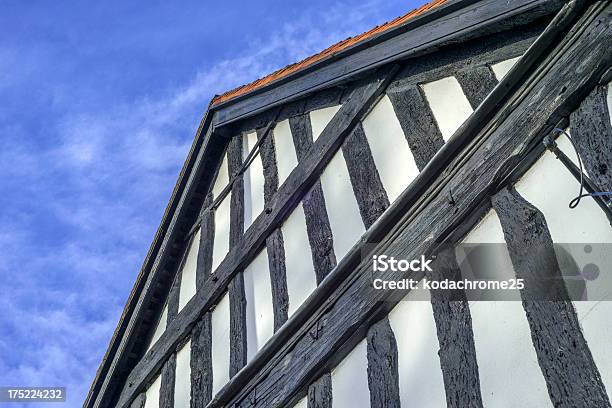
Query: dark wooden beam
(383, 369)
(369, 191)
(418, 123)
(320, 392)
(571, 376)
(274, 243)
(166, 388)
(201, 362)
(139, 401)
(237, 297)
(477, 83)
(318, 227)
(457, 353)
(591, 129)
(444, 25)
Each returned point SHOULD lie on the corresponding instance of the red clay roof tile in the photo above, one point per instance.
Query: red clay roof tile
(295, 67)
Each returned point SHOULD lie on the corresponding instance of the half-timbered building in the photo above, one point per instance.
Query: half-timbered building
(464, 121)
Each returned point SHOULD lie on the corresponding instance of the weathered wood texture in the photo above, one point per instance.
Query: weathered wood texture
(591, 129)
(563, 354)
(320, 392)
(457, 353)
(417, 121)
(274, 243)
(423, 215)
(237, 297)
(207, 237)
(424, 34)
(166, 389)
(201, 362)
(139, 401)
(362, 95)
(317, 221)
(383, 377)
(369, 191)
(477, 83)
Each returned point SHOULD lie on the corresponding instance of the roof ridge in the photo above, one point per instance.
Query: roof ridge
(331, 50)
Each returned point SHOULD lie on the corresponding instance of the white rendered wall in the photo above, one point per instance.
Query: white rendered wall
(286, 158)
(420, 376)
(585, 224)
(448, 103)
(160, 328)
(320, 118)
(390, 150)
(259, 310)
(220, 323)
(152, 394)
(342, 209)
(350, 379)
(253, 183)
(182, 382)
(303, 403)
(501, 68)
(301, 278)
(222, 216)
(507, 362)
(188, 272)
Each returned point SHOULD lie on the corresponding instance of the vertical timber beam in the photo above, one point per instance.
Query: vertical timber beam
(383, 369)
(274, 242)
(369, 191)
(201, 335)
(477, 83)
(317, 220)
(417, 121)
(320, 392)
(237, 297)
(566, 362)
(591, 129)
(457, 352)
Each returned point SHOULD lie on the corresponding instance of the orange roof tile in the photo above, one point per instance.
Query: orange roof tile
(292, 68)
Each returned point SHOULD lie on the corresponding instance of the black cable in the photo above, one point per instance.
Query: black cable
(581, 194)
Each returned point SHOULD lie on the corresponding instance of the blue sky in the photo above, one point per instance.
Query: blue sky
(99, 102)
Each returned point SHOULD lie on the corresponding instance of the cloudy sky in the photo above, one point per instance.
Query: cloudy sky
(99, 102)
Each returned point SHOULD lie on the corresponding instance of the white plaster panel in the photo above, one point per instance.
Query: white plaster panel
(152, 394)
(390, 150)
(182, 383)
(494, 261)
(501, 68)
(253, 183)
(301, 278)
(448, 103)
(222, 232)
(188, 272)
(320, 118)
(303, 403)
(507, 362)
(222, 216)
(585, 224)
(259, 310)
(222, 179)
(286, 157)
(220, 324)
(342, 209)
(417, 347)
(160, 328)
(350, 379)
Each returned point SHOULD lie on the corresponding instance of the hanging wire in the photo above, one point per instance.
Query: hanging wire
(581, 194)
